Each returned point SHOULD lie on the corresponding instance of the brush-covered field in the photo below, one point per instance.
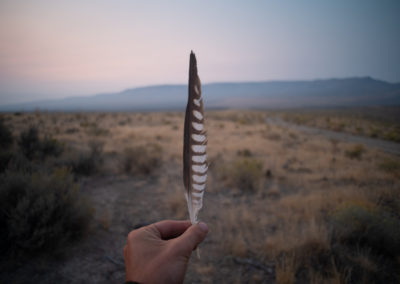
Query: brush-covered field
(282, 206)
(375, 122)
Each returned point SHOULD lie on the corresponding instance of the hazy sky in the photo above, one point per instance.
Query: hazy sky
(53, 49)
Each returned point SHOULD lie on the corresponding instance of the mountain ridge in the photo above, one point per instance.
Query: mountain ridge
(354, 91)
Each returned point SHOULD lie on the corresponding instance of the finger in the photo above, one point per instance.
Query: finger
(171, 229)
(191, 238)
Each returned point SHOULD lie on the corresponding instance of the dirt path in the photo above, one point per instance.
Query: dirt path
(386, 146)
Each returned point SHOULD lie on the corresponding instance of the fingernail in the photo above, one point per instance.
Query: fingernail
(203, 226)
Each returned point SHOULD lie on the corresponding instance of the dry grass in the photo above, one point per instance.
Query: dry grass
(285, 269)
(376, 122)
(272, 196)
(141, 160)
(176, 202)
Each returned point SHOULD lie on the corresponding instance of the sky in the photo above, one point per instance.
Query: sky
(55, 49)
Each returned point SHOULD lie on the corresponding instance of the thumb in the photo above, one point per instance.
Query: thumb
(191, 238)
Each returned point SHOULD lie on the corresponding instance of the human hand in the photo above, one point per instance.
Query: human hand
(159, 253)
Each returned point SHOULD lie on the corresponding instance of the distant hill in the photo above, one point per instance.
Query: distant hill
(347, 92)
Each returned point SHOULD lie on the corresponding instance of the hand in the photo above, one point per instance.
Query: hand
(159, 253)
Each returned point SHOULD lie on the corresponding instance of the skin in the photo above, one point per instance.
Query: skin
(159, 253)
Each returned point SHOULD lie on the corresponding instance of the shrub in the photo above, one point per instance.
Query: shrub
(50, 147)
(307, 259)
(5, 158)
(84, 164)
(142, 160)
(374, 132)
(359, 130)
(20, 163)
(98, 131)
(6, 138)
(244, 153)
(366, 241)
(40, 213)
(272, 136)
(29, 142)
(72, 130)
(244, 174)
(33, 147)
(360, 246)
(390, 166)
(393, 134)
(355, 152)
(87, 163)
(368, 227)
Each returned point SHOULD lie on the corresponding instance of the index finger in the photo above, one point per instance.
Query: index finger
(171, 229)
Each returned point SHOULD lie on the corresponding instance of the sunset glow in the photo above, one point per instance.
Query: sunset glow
(54, 49)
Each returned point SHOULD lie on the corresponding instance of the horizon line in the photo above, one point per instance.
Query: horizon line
(204, 84)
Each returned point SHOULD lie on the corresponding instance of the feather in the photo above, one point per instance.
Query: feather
(194, 145)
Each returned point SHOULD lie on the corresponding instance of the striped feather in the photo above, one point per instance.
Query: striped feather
(195, 144)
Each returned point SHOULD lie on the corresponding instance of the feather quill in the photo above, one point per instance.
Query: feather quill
(194, 145)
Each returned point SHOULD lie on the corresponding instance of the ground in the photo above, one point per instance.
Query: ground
(273, 198)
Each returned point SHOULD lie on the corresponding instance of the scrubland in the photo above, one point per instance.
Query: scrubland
(282, 206)
(375, 122)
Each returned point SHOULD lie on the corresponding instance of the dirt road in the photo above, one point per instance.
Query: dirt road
(386, 146)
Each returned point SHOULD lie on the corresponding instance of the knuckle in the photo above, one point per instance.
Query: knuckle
(131, 236)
